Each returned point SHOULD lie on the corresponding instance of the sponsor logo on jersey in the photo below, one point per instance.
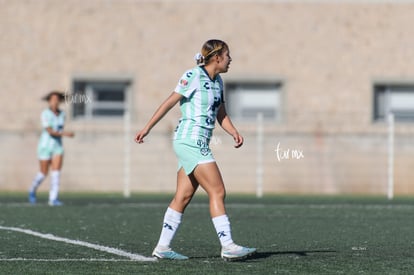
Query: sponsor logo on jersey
(183, 82)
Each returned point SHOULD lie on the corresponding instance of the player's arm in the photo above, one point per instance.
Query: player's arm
(59, 134)
(158, 115)
(225, 123)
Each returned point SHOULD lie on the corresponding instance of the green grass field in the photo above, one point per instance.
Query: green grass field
(294, 235)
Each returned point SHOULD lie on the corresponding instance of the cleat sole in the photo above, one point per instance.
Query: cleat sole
(235, 259)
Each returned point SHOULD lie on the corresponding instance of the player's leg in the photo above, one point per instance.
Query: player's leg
(186, 187)
(209, 177)
(44, 161)
(56, 166)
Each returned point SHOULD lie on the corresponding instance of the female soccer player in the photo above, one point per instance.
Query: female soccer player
(200, 93)
(50, 149)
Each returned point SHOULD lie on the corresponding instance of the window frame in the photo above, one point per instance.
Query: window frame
(279, 85)
(89, 81)
(386, 88)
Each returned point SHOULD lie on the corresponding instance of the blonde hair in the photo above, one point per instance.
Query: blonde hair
(210, 48)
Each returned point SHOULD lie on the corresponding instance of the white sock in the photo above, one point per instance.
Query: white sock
(36, 182)
(172, 220)
(222, 225)
(54, 185)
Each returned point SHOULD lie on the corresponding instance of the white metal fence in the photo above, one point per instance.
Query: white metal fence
(272, 160)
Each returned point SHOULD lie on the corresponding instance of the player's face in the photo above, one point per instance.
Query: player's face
(224, 61)
(54, 102)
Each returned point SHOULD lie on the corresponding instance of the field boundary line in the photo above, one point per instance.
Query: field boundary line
(238, 205)
(107, 249)
(65, 260)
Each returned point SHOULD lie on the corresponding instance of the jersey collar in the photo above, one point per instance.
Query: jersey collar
(205, 71)
(58, 112)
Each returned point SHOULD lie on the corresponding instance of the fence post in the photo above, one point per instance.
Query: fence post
(259, 157)
(128, 139)
(390, 187)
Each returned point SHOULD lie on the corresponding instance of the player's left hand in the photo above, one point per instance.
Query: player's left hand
(238, 139)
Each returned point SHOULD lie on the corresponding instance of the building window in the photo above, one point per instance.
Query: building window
(244, 100)
(99, 98)
(395, 98)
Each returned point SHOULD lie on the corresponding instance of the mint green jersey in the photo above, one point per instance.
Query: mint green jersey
(199, 106)
(56, 122)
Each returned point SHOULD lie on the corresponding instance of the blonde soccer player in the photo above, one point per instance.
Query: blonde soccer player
(50, 148)
(200, 93)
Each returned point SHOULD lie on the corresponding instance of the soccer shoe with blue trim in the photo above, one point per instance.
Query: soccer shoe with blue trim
(234, 252)
(55, 203)
(168, 254)
(32, 197)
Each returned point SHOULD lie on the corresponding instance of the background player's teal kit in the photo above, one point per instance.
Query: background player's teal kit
(50, 146)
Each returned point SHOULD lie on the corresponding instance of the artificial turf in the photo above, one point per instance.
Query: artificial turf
(293, 235)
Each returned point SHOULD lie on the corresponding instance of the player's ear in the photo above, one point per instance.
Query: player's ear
(218, 58)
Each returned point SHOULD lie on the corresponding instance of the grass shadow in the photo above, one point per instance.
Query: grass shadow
(268, 254)
(301, 253)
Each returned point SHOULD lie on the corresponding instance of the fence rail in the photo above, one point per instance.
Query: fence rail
(270, 161)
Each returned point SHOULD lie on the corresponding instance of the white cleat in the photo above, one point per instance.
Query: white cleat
(234, 252)
(55, 203)
(168, 254)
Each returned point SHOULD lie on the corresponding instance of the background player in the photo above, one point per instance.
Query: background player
(200, 93)
(50, 148)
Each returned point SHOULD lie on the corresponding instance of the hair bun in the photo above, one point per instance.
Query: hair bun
(199, 58)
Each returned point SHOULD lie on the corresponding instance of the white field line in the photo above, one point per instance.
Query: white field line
(261, 205)
(111, 250)
(238, 205)
(65, 260)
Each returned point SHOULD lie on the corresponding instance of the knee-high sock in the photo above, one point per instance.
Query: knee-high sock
(172, 220)
(54, 185)
(222, 225)
(37, 181)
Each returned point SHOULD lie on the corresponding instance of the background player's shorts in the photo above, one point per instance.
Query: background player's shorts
(190, 153)
(47, 152)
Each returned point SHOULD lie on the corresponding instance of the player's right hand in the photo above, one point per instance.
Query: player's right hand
(139, 138)
(69, 134)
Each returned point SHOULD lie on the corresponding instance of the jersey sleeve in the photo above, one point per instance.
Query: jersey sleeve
(45, 118)
(187, 84)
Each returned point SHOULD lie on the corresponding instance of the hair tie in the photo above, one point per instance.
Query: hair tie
(199, 58)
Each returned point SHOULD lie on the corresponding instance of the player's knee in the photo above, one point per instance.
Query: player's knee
(186, 199)
(219, 192)
(44, 172)
(183, 199)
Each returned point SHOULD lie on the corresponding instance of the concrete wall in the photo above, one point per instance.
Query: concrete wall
(328, 55)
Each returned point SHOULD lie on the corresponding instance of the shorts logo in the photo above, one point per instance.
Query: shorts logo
(204, 149)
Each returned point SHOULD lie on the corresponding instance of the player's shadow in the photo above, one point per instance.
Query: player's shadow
(300, 253)
(267, 254)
